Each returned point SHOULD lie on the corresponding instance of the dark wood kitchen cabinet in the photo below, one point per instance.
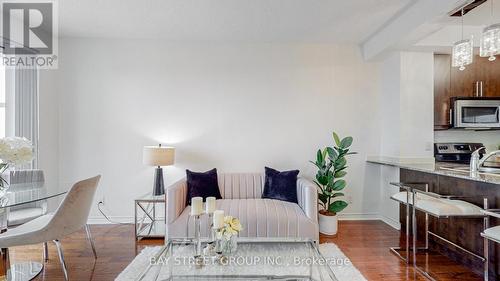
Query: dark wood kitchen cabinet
(463, 83)
(451, 82)
(489, 73)
(442, 91)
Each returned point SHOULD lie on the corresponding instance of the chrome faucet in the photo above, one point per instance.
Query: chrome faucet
(481, 162)
(475, 161)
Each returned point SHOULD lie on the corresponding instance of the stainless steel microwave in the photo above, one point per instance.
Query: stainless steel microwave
(476, 113)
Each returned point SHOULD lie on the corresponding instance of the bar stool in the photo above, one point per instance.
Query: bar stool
(439, 206)
(444, 207)
(406, 198)
(490, 234)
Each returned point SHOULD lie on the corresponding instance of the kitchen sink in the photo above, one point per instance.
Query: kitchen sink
(489, 170)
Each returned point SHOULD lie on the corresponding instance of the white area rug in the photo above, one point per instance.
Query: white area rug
(343, 271)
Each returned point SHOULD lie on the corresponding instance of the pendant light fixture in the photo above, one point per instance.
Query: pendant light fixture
(463, 51)
(490, 39)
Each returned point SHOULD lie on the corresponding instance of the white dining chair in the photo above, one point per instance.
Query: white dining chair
(69, 217)
(25, 184)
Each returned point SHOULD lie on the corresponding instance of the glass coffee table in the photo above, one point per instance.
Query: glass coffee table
(254, 259)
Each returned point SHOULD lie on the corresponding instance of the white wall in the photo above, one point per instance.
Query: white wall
(234, 107)
(406, 105)
(389, 103)
(390, 145)
(417, 105)
(406, 121)
(48, 136)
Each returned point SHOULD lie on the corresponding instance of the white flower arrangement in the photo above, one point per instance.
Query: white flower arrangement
(232, 226)
(14, 151)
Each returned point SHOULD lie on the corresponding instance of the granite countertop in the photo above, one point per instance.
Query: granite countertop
(440, 168)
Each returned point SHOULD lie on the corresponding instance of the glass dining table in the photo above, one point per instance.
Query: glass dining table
(16, 198)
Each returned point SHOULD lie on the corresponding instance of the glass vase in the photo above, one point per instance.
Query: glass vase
(229, 246)
(3, 186)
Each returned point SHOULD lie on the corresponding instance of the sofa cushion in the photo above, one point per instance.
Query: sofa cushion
(281, 185)
(259, 218)
(202, 184)
(241, 185)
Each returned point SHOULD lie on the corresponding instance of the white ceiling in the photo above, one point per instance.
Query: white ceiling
(450, 31)
(339, 21)
(479, 16)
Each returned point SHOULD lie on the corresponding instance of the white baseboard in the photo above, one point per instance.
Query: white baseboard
(345, 217)
(391, 222)
(358, 217)
(366, 217)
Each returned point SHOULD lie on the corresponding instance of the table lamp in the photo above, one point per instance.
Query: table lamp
(158, 156)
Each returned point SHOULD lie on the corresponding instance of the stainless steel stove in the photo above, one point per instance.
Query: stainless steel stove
(455, 152)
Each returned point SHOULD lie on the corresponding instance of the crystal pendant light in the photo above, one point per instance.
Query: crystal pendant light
(490, 40)
(463, 51)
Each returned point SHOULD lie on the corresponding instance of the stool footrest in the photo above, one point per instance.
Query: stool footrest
(396, 250)
(457, 246)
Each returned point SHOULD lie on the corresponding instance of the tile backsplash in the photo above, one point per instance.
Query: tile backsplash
(491, 139)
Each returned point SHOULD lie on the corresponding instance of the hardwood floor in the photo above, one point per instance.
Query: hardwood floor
(366, 243)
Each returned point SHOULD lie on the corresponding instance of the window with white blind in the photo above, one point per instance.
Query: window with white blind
(19, 105)
(25, 105)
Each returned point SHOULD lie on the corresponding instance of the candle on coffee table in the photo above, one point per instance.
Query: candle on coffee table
(210, 205)
(218, 219)
(196, 206)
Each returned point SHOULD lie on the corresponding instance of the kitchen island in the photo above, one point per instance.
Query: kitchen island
(454, 179)
(440, 168)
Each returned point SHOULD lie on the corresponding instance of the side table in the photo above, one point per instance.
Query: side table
(146, 222)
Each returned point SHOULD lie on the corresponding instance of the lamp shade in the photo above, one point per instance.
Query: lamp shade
(158, 155)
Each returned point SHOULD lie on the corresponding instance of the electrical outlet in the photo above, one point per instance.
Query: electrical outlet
(349, 199)
(102, 200)
(429, 146)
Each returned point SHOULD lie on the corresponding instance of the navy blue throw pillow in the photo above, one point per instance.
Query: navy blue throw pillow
(202, 184)
(281, 185)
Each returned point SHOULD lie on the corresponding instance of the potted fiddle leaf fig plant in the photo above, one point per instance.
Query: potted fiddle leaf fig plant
(332, 167)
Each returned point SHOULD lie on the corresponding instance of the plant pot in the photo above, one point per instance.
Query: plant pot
(328, 224)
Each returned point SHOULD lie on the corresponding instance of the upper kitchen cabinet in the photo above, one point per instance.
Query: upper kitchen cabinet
(465, 83)
(451, 82)
(489, 73)
(442, 91)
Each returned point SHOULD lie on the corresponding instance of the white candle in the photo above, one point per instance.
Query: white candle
(218, 219)
(196, 206)
(210, 205)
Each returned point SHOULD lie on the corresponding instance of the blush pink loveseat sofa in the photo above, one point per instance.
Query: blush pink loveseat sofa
(241, 197)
